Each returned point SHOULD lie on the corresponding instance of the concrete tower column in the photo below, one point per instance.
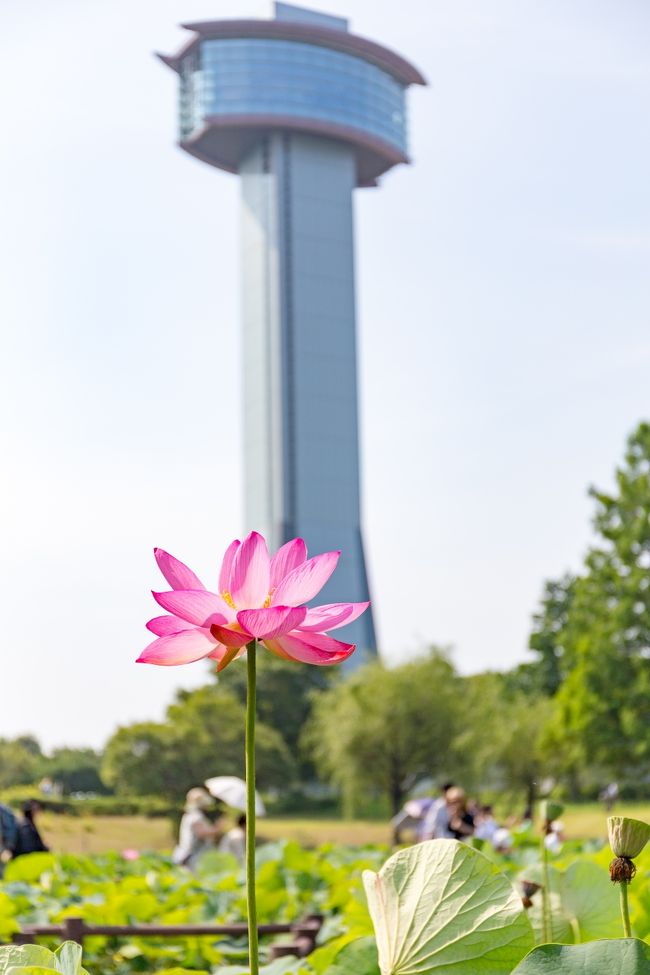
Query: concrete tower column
(300, 364)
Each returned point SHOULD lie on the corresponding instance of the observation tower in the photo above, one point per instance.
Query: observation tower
(304, 112)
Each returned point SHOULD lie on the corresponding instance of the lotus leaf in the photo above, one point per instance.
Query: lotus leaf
(29, 867)
(357, 958)
(590, 901)
(626, 956)
(36, 960)
(562, 930)
(443, 908)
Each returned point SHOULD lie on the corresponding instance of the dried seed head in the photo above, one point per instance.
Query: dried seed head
(529, 888)
(627, 837)
(621, 870)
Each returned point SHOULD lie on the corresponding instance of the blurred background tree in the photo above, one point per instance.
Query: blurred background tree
(203, 736)
(384, 729)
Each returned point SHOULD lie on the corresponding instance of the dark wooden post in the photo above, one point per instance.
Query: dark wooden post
(73, 929)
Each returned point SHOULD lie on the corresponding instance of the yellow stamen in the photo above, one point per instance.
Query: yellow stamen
(225, 595)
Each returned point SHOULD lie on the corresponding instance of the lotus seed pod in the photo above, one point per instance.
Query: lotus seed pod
(550, 810)
(627, 837)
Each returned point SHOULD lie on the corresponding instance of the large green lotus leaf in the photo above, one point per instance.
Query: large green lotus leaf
(357, 958)
(21, 959)
(281, 966)
(561, 928)
(21, 956)
(442, 908)
(590, 900)
(29, 867)
(624, 957)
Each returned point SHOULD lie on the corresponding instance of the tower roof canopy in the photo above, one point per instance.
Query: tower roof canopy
(340, 40)
(303, 72)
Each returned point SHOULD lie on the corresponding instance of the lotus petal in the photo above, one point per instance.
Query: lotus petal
(176, 573)
(179, 648)
(196, 606)
(271, 622)
(251, 573)
(331, 616)
(286, 559)
(305, 581)
(166, 625)
(226, 566)
(310, 648)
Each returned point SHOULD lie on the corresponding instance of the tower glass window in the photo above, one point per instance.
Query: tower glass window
(259, 76)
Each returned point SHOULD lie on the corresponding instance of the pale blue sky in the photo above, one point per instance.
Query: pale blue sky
(503, 294)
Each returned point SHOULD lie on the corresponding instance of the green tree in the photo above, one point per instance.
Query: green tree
(141, 759)
(20, 762)
(383, 729)
(285, 691)
(499, 746)
(75, 769)
(203, 736)
(549, 625)
(603, 706)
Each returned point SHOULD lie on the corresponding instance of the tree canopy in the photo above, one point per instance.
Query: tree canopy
(603, 705)
(203, 736)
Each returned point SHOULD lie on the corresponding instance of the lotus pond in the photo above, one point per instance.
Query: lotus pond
(440, 907)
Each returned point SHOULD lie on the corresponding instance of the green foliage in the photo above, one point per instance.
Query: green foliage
(499, 742)
(153, 806)
(549, 623)
(284, 694)
(36, 960)
(623, 957)
(203, 735)
(464, 907)
(29, 868)
(291, 882)
(386, 728)
(441, 907)
(20, 763)
(75, 770)
(603, 706)
(359, 957)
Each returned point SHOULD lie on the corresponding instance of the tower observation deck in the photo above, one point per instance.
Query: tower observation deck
(303, 111)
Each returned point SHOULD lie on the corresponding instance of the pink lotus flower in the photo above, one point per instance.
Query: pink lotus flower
(259, 598)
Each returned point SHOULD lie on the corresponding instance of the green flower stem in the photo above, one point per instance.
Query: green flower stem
(625, 910)
(547, 931)
(251, 697)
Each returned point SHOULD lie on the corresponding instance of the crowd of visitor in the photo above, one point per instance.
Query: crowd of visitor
(452, 816)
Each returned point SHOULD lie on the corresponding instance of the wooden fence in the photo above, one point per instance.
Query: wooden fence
(75, 929)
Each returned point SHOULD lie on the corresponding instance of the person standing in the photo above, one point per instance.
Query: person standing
(8, 835)
(461, 820)
(29, 839)
(435, 825)
(234, 842)
(196, 833)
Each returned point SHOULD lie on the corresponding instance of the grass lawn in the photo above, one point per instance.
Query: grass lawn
(98, 834)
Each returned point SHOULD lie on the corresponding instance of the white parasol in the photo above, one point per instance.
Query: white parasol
(232, 791)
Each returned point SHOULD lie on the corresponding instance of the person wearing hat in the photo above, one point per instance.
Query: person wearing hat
(461, 820)
(196, 833)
